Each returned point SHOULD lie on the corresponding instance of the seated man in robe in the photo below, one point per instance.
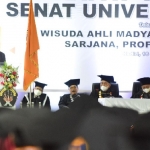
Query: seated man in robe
(66, 99)
(145, 91)
(106, 89)
(38, 98)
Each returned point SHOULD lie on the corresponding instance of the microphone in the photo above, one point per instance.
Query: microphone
(20, 104)
(32, 104)
(39, 104)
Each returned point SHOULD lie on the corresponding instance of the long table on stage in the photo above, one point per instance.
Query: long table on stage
(140, 105)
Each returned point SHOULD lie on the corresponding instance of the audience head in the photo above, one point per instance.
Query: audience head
(145, 82)
(73, 85)
(105, 82)
(38, 90)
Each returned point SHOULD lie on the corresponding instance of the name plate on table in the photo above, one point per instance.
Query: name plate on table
(140, 105)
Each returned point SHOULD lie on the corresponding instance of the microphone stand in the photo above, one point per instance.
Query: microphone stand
(20, 104)
(39, 105)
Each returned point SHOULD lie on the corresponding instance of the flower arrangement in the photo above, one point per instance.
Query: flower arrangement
(9, 75)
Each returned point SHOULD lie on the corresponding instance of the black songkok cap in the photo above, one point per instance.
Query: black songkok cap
(109, 79)
(39, 84)
(144, 81)
(73, 82)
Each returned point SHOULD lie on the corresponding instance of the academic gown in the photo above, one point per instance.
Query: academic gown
(2, 57)
(109, 93)
(141, 94)
(43, 98)
(2, 60)
(66, 99)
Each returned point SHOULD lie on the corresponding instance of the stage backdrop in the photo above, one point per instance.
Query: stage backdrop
(80, 39)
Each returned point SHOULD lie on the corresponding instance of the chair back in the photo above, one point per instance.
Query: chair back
(96, 86)
(136, 87)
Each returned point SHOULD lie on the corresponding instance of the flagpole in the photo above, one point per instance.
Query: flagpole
(30, 97)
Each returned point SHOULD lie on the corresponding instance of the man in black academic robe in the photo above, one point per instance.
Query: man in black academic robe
(66, 99)
(145, 91)
(2, 57)
(38, 98)
(141, 94)
(106, 89)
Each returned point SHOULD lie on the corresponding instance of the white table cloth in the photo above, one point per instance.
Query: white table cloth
(140, 105)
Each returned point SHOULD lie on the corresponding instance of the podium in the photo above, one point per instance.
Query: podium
(140, 105)
(8, 96)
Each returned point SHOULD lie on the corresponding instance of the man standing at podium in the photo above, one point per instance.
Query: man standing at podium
(2, 60)
(145, 91)
(106, 89)
(2, 57)
(38, 98)
(66, 99)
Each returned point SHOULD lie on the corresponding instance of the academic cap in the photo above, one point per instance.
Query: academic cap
(102, 127)
(108, 128)
(84, 102)
(39, 84)
(141, 126)
(144, 81)
(73, 82)
(141, 132)
(3, 111)
(27, 124)
(109, 79)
